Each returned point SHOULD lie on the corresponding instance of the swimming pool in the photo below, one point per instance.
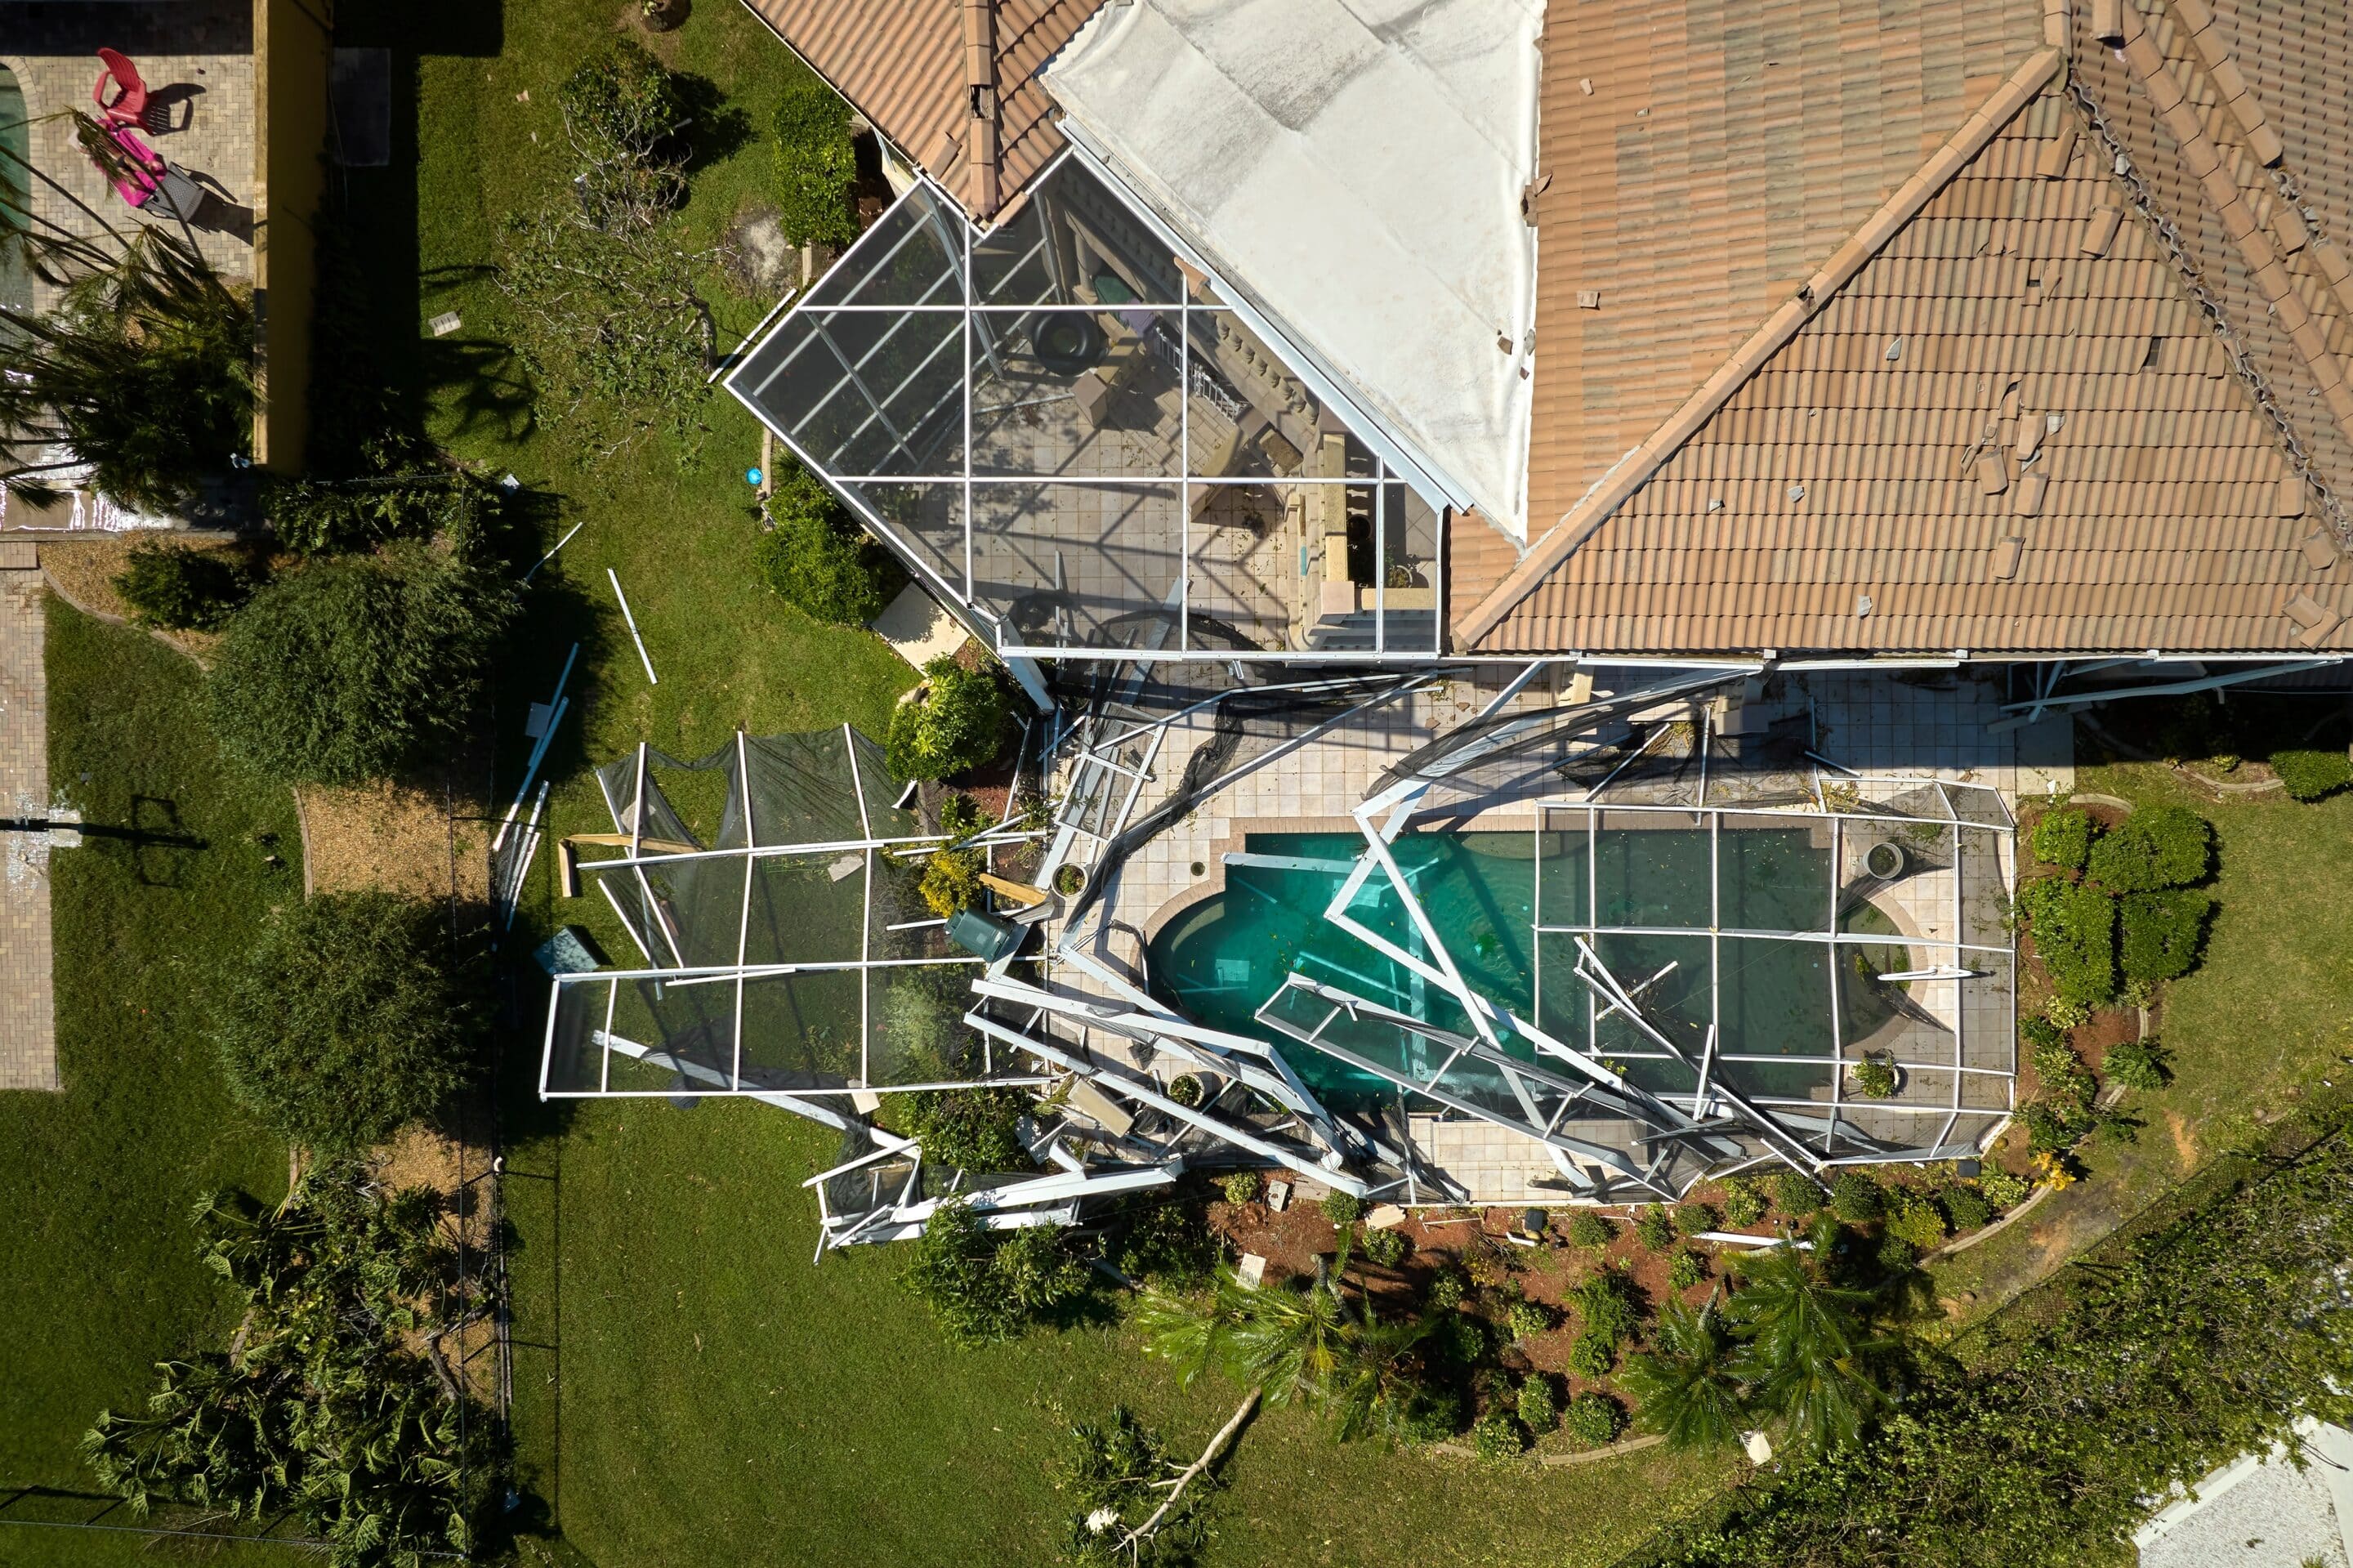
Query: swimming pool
(1767, 996)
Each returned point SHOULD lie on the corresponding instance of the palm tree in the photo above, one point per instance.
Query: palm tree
(1811, 1352)
(1686, 1382)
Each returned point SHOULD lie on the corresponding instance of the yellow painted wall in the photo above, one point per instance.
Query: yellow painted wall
(293, 59)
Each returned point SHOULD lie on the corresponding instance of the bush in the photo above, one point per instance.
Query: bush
(1855, 1198)
(343, 670)
(958, 723)
(2039, 1034)
(2310, 775)
(350, 1019)
(2002, 1188)
(1593, 1419)
(969, 1130)
(1688, 1270)
(1917, 1219)
(1445, 1291)
(1539, 1408)
(1387, 1248)
(2162, 933)
(1743, 1202)
(1969, 1208)
(1432, 1414)
(2136, 1064)
(1528, 1318)
(2074, 930)
(1874, 1075)
(1587, 1229)
(1693, 1219)
(181, 589)
(951, 881)
(311, 517)
(817, 165)
(1497, 1436)
(1459, 1337)
(1794, 1193)
(1168, 1244)
(1342, 1208)
(2062, 837)
(1654, 1229)
(1592, 1356)
(984, 1286)
(2156, 846)
(1609, 1303)
(816, 558)
(1242, 1186)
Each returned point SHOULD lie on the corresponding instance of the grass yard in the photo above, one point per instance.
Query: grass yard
(2262, 1020)
(97, 1271)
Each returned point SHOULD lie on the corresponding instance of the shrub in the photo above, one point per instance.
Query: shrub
(1168, 1244)
(1242, 1186)
(1915, 1217)
(1969, 1208)
(2039, 1034)
(2002, 1188)
(1496, 1436)
(1693, 1219)
(1654, 1229)
(1794, 1193)
(1528, 1318)
(2062, 837)
(951, 881)
(817, 165)
(2310, 775)
(1592, 1356)
(1462, 1338)
(342, 671)
(181, 589)
(2136, 1064)
(961, 816)
(1855, 1198)
(1445, 1290)
(2162, 933)
(2157, 846)
(311, 517)
(1688, 1270)
(349, 1020)
(1587, 1229)
(1895, 1254)
(1432, 1414)
(1609, 1305)
(969, 1130)
(958, 723)
(1743, 1202)
(1387, 1248)
(1593, 1419)
(1342, 1208)
(816, 558)
(983, 1285)
(2075, 929)
(1874, 1075)
(1539, 1409)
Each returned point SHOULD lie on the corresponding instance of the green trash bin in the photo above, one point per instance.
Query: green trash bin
(984, 935)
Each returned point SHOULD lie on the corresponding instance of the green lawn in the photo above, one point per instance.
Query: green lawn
(2265, 1017)
(689, 1388)
(97, 1271)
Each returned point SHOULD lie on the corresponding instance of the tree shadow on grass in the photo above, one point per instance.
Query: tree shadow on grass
(715, 130)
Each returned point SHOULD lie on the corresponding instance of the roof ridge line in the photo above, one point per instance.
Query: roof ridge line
(1597, 505)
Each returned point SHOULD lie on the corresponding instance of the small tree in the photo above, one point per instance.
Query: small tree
(181, 589)
(350, 1019)
(969, 1130)
(957, 722)
(342, 671)
(820, 560)
(983, 1285)
(621, 112)
(817, 165)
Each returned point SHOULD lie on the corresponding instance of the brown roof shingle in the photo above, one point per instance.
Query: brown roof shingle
(1888, 479)
(901, 63)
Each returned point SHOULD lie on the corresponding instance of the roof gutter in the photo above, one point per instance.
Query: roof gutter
(1580, 522)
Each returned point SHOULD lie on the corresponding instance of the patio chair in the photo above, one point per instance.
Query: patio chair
(128, 106)
(138, 172)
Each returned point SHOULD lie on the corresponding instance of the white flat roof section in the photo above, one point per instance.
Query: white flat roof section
(1354, 167)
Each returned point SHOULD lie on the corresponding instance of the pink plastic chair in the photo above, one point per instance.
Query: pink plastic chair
(128, 104)
(142, 175)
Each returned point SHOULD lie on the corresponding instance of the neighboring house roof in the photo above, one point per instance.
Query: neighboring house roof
(1354, 167)
(1816, 494)
(904, 65)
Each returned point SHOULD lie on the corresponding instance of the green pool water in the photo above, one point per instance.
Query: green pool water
(1219, 959)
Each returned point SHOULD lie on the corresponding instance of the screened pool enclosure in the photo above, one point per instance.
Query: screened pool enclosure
(1083, 446)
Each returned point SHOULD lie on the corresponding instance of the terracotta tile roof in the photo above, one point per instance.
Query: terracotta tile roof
(903, 64)
(1703, 159)
(1888, 478)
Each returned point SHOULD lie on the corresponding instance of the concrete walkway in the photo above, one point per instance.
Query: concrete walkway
(28, 1042)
